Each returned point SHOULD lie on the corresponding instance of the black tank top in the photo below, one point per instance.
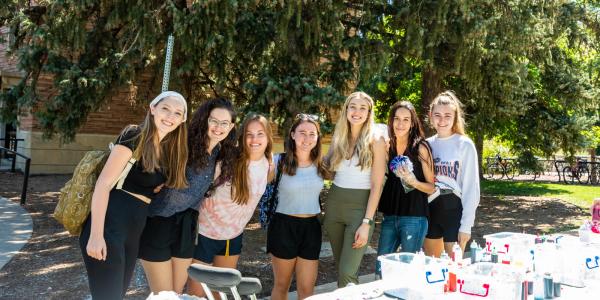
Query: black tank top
(394, 201)
(139, 181)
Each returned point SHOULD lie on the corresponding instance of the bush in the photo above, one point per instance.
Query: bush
(493, 147)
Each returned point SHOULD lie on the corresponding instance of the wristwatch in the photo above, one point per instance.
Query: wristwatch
(368, 221)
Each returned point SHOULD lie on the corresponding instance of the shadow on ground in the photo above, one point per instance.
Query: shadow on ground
(50, 265)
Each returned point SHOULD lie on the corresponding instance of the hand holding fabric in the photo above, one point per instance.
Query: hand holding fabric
(402, 167)
(407, 176)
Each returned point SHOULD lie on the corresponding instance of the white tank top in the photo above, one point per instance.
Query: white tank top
(349, 175)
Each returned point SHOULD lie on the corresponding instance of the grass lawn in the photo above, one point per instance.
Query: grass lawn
(581, 195)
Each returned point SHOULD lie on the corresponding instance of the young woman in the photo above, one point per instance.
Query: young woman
(167, 243)
(294, 235)
(228, 208)
(110, 238)
(358, 158)
(452, 206)
(405, 213)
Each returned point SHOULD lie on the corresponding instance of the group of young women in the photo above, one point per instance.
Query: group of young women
(189, 195)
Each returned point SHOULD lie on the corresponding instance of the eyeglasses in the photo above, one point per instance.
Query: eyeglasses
(303, 116)
(223, 124)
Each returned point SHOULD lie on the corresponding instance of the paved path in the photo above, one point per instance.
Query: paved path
(16, 227)
(329, 287)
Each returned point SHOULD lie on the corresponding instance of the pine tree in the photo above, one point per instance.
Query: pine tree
(525, 69)
(259, 53)
(520, 67)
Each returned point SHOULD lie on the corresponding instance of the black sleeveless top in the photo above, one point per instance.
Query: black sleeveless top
(394, 201)
(138, 181)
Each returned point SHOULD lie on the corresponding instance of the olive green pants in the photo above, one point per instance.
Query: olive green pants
(344, 212)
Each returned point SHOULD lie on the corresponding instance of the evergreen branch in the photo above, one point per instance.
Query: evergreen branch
(126, 48)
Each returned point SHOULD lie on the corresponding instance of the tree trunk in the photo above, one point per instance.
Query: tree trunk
(431, 86)
(478, 139)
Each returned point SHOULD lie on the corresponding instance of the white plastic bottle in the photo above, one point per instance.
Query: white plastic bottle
(538, 287)
(457, 253)
(444, 255)
(584, 233)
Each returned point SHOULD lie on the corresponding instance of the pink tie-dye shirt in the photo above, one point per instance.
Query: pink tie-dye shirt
(222, 219)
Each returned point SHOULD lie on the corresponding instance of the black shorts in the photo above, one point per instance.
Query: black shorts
(208, 248)
(445, 213)
(289, 237)
(166, 237)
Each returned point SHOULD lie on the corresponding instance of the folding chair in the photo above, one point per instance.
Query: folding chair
(224, 281)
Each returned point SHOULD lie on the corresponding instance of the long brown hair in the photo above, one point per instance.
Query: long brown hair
(450, 98)
(416, 135)
(168, 155)
(240, 190)
(290, 163)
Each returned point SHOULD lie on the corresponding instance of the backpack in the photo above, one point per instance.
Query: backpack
(269, 200)
(75, 200)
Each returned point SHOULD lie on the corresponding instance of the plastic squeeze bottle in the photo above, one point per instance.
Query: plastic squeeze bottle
(474, 247)
(457, 253)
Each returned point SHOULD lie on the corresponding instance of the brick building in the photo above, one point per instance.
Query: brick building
(49, 156)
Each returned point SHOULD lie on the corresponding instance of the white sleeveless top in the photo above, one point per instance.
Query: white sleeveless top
(349, 175)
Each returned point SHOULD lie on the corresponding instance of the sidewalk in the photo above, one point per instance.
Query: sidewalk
(329, 287)
(16, 227)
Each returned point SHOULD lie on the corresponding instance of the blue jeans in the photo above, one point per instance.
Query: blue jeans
(408, 232)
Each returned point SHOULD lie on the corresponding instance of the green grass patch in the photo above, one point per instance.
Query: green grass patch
(580, 195)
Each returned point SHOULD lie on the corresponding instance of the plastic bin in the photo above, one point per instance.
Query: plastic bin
(420, 272)
(509, 242)
(570, 261)
(490, 280)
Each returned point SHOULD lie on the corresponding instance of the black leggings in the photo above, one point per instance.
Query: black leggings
(123, 225)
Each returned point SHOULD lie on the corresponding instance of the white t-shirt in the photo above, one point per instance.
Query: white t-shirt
(456, 168)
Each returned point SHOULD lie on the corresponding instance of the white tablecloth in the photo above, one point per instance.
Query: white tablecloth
(374, 290)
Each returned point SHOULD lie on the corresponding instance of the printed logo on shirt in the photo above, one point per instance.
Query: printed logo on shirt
(446, 168)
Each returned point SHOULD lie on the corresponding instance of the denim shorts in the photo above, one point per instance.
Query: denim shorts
(208, 248)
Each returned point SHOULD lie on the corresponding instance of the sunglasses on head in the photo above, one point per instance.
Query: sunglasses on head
(303, 116)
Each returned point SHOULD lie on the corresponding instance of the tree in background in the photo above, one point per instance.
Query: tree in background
(262, 54)
(524, 69)
(527, 70)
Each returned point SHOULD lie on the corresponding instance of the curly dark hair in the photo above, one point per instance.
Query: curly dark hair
(198, 139)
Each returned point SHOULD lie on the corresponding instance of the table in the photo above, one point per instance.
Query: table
(374, 290)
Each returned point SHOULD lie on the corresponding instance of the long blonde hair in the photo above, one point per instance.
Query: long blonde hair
(340, 143)
(450, 98)
(240, 190)
(168, 155)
